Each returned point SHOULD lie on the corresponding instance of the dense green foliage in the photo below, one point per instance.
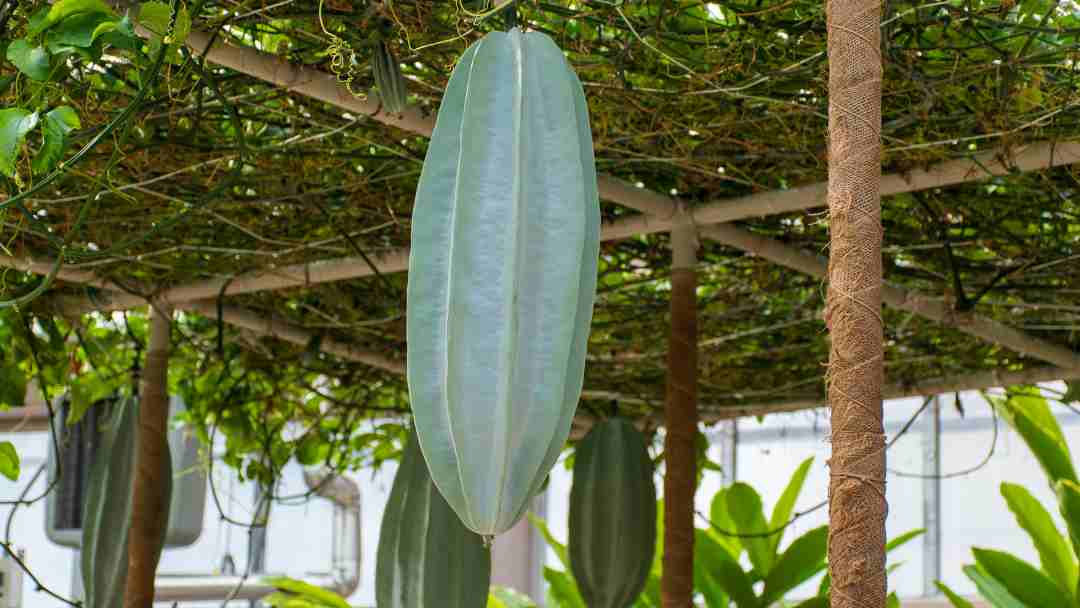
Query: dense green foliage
(1004, 580)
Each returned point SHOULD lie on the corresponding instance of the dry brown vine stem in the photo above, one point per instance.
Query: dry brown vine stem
(681, 420)
(857, 504)
(150, 495)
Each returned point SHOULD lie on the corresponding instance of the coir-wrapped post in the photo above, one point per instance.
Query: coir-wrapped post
(857, 505)
(681, 420)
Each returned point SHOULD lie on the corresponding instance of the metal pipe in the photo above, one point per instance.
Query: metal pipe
(345, 554)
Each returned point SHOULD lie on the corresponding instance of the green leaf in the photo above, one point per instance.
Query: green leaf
(284, 600)
(9, 460)
(1055, 554)
(744, 505)
(719, 566)
(62, 10)
(1068, 495)
(563, 590)
(814, 602)
(87, 391)
(80, 30)
(155, 17)
(1031, 417)
(30, 60)
(720, 518)
(509, 598)
(15, 123)
(892, 601)
(12, 386)
(951, 595)
(904, 538)
(58, 123)
(312, 450)
(803, 559)
(1022, 580)
(556, 546)
(784, 507)
(317, 595)
(120, 34)
(706, 551)
(991, 590)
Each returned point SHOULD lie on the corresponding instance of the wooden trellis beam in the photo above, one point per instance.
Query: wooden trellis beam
(657, 218)
(900, 298)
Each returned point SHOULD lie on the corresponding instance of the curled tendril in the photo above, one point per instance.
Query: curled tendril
(343, 61)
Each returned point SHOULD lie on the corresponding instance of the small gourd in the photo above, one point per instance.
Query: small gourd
(612, 535)
(425, 556)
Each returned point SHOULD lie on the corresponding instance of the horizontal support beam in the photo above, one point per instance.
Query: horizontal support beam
(1030, 158)
(900, 298)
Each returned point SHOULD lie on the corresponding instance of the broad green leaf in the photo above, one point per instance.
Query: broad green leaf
(1030, 416)
(1022, 580)
(556, 546)
(991, 590)
(720, 519)
(155, 16)
(15, 123)
(30, 60)
(9, 461)
(719, 566)
(62, 10)
(1068, 495)
(951, 595)
(803, 559)
(892, 601)
(706, 551)
(903, 539)
(87, 391)
(58, 123)
(307, 591)
(80, 30)
(509, 598)
(563, 590)
(784, 507)
(1055, 554)
(12, 386)
(744, 505)
(120, 34)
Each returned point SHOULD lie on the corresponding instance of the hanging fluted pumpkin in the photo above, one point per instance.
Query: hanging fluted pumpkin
(612, 515)
(426, 557)
(502, 276)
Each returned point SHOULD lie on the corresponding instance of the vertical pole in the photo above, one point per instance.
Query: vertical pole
(857, 504)
(729, 446)
(257, 537)
(931, 440)
(152, 487)
(681, 420)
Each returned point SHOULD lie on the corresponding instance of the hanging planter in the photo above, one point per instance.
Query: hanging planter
(425, 556)
(612, 515)
(502, 276)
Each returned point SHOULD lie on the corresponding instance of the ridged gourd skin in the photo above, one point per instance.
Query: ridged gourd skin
(426, 558)
(107, 514)
(388, 79)
(502, 276)
(612, 535)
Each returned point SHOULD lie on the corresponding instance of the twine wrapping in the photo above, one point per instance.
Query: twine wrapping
(857, 505)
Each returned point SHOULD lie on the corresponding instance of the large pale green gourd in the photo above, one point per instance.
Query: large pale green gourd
(612, 515)
(426, 557)
(502, 276)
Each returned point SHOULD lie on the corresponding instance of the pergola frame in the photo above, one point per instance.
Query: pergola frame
(714, 221)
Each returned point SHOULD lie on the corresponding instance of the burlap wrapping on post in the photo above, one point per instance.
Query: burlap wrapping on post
(857, 505)
(681, 420)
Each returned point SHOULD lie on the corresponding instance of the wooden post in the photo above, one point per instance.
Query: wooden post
(857, 505)
(151, 488)
(681, 420)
